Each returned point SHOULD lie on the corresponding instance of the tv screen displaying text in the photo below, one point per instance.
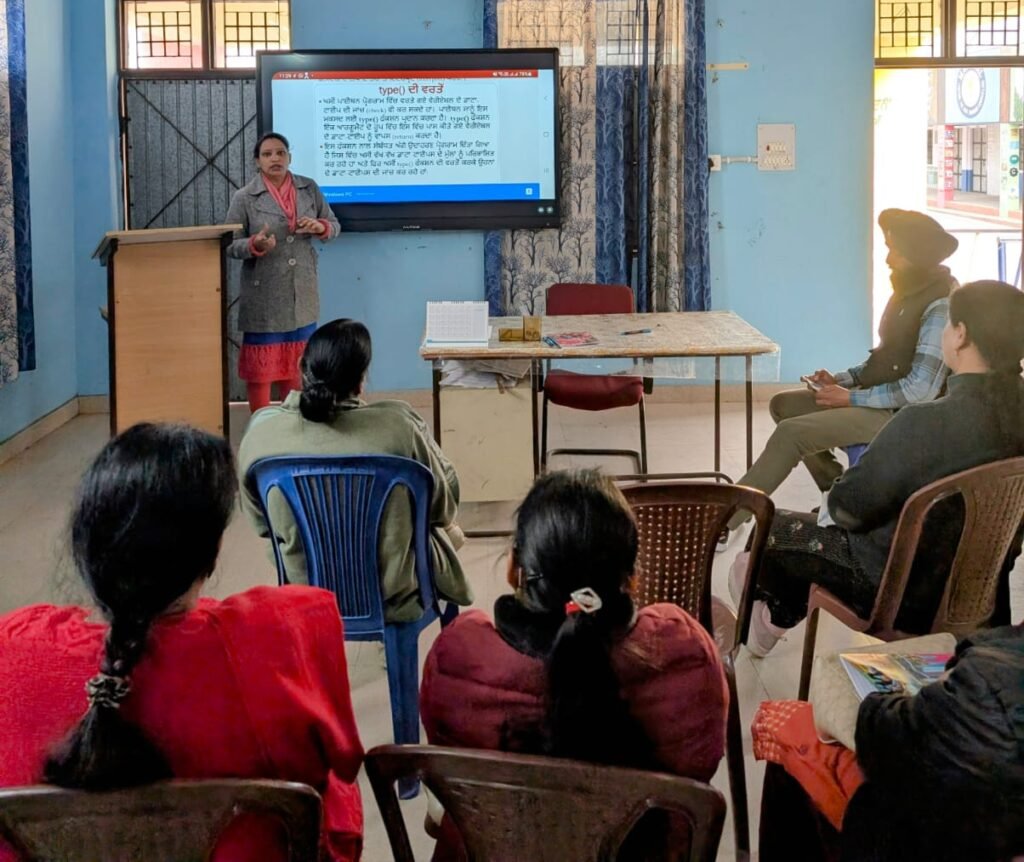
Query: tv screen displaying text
(411, 136)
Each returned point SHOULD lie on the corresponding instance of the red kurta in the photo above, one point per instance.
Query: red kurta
(255, 686)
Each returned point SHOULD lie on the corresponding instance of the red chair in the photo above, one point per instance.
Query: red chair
(592, 391)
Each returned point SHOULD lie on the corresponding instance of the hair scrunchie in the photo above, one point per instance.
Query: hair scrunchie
(104, 690)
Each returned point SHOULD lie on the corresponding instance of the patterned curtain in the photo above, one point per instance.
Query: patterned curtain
(17, 338)
(632, 135)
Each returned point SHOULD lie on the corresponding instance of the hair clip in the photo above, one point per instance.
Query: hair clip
(585, 600)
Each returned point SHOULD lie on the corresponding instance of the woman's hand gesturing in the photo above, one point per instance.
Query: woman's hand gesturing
(264, 241)
(310, 226)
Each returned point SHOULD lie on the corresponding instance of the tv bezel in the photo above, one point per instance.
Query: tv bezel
(444, 215)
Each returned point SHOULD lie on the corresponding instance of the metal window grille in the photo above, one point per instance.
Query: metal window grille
(949, 32)
(621, 34)
(162, 34)
(905, 30)
(241, 28)
(958, 156)
(201, 36)
(991, 27)
(979, 159)
(564, 25)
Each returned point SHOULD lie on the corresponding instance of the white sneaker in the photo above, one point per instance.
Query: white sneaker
(728, 538)
(763, 633)
(738, 577)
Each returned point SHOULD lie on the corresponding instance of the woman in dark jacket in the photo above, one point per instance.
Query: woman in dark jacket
(945, 768)
(980, 420)
(569, 667)
(939, 775)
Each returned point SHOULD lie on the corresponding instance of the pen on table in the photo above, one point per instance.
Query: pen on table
(636, 332)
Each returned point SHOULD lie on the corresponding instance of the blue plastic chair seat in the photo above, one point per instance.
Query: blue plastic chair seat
(338, 503)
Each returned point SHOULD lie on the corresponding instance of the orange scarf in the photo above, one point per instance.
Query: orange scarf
(285, 197)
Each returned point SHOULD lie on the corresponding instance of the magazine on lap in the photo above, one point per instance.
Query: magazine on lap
(835, 699)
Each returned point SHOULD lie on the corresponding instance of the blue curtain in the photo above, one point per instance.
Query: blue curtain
(596, 104)
(17, 329)
(643, 188)
(697, 254)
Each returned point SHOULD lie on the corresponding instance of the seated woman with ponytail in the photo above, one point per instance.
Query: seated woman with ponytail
(160, 683)
(568, 666)
(328, 417)
(980, 420)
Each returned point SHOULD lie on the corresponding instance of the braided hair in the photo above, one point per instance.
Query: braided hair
(574, 531)
(146, 525)
(333, 366)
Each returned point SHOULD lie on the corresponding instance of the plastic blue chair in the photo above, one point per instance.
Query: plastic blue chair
(854, 452)
(338, 504)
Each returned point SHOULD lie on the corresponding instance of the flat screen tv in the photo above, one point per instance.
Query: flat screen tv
(410, 140)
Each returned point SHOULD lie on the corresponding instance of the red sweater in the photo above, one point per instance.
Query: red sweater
(255, 686)
(668, 669)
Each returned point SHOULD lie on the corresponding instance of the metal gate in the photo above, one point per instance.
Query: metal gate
(188, 148)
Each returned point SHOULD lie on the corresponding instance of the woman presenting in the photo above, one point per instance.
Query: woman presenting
(279, 304)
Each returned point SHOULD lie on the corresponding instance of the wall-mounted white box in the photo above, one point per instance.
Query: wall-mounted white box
(776, 147)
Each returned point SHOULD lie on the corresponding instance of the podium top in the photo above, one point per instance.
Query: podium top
(114, 238)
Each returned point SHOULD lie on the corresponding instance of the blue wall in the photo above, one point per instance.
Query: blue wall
(791, 252)
(52, 183)
(97, 177)
(385, 279)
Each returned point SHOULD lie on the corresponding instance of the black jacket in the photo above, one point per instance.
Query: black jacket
(899, 328)
(945, 768)
(921, 444)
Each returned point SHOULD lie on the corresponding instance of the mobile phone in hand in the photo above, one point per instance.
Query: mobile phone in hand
(812, 384)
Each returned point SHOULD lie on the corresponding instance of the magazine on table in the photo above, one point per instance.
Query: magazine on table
(570, 339)
(893, 673)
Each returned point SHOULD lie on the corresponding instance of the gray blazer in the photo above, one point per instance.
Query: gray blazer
(278, 291)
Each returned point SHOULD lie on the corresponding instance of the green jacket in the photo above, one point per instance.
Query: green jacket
(381, 428)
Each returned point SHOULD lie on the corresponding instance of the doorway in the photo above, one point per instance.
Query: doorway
(948, 143)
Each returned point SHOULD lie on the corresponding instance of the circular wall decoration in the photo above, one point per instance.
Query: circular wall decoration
(970, 91)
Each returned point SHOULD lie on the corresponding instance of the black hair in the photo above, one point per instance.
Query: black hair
(575, 530)
(992, 313)
(333, 365)
(269, 136)
(146, 525)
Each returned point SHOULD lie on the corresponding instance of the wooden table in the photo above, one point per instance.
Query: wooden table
(684, 334)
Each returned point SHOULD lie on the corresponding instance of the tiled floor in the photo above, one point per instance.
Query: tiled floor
(36, 487)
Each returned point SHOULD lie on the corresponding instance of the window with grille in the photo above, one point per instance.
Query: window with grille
(201, 35)
(958, 158)
(988, 28)
(162, 35)
(979, 159)
(921, 32)
(240, 29)
(907, 30)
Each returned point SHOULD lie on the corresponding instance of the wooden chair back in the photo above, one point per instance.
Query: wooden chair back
(993, 499)
(679, 524)
(169, 820)
(511, 807)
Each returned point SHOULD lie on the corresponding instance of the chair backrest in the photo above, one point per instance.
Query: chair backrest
(566, 298)
(993, 496)
(338, 504)
(170, 820)
(679, 525)
(511, 807)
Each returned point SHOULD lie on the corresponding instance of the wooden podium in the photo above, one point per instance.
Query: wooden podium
(167, 318)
